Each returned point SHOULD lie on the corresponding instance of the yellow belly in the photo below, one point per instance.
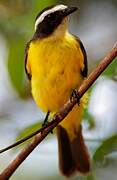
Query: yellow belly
(56, 70)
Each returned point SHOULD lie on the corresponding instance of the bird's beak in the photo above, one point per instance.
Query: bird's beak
(69, 10)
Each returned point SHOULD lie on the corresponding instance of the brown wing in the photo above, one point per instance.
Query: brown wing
(26, 56)
(84, 72)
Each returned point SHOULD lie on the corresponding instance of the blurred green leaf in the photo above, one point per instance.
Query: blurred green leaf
(111, 68)
(90, 176)
(108, 146)
(89, 118)
(16, 64)
(29, 130)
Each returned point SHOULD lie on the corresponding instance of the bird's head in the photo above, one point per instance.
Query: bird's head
(52, 19)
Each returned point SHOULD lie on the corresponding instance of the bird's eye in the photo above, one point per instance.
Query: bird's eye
(49, 15)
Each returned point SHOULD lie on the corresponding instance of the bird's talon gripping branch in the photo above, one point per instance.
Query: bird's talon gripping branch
(75, 95)
(45, 123)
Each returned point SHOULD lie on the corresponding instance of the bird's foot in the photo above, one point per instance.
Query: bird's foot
(46, 122)
(75, 95)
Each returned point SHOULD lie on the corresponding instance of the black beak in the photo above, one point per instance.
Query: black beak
(69, 10)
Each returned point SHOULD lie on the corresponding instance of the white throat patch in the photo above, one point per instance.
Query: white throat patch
(44, 14)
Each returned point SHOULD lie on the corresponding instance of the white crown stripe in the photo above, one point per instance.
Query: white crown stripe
(44, 14)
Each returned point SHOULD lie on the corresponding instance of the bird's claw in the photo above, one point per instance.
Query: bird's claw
(75, 95)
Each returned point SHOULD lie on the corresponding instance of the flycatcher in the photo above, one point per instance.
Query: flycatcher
(56, 64)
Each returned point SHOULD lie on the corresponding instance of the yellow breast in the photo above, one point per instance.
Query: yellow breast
(56, 67)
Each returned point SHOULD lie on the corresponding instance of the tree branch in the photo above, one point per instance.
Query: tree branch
(58, 117)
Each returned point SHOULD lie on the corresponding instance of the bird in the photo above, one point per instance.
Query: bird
(56, 65)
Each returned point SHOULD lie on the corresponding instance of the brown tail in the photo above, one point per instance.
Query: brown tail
(73, 156)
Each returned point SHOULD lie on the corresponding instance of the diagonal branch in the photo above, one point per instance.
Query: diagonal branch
(58, 117)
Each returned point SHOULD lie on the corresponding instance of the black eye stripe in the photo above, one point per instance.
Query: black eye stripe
(49, 15)
(55, 14)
